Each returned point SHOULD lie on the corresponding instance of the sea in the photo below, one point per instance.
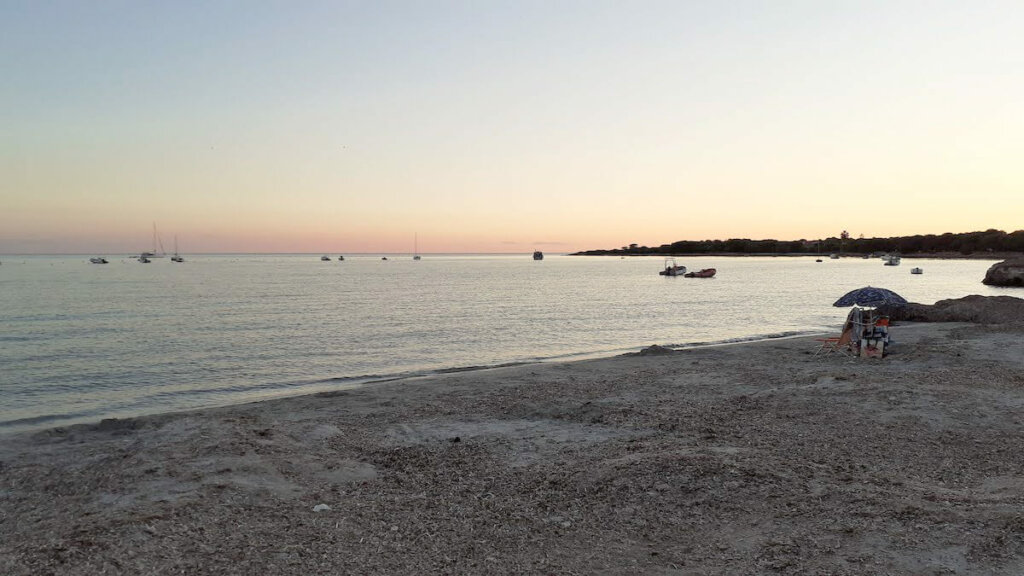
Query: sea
(82, 342)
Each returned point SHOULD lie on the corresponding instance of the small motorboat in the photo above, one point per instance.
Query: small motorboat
(341, 258)
(98, 260)
(916, 271)
(705, 273)
(325, 258)
(819, 260)
(144, 259)
(672, 269)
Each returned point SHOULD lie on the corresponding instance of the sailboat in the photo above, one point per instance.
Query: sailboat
(154, 253)
(415, 246)
(176, 257)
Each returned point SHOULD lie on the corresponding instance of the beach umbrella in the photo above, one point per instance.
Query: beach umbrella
(870, 297)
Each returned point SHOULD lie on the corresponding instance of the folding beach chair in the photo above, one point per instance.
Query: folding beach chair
(840, 345)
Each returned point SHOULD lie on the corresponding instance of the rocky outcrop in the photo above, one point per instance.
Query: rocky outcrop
(1006, 273)
(980, 309)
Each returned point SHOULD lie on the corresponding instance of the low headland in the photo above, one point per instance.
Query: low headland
(990, 244)
(754, 458)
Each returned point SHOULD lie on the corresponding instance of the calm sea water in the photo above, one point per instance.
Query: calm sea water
(80, 342)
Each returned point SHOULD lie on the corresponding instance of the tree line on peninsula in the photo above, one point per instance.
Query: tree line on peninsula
(965, 244)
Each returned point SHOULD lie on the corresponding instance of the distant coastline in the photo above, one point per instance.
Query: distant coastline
(927, 255)
(987, 245)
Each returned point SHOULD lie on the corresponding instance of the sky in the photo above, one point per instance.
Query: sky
(503, 126)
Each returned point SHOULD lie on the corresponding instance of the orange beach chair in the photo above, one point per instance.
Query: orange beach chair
(839, 345)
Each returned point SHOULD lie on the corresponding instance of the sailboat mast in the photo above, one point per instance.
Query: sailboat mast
(157, 242)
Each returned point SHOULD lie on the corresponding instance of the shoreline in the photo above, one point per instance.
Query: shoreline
(746, 458)
(48, 421)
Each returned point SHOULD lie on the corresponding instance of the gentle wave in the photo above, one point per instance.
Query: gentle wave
(90, 342)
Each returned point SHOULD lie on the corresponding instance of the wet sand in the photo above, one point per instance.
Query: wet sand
(753, 458)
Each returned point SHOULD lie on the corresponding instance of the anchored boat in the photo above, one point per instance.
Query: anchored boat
(672, 269)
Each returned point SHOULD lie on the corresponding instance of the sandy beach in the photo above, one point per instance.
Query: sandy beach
(754, 458)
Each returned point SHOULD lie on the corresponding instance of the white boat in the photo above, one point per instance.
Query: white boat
(325, 258)
(177, 257)
(833, 256)
(156, 242)
(672, 269)
(144, 259)
(892, 260)
(916, 271)
(98, 260)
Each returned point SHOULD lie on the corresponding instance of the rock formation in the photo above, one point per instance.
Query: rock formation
(1006, 273)
(980, 309)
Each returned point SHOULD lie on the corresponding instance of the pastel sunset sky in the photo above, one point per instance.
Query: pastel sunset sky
(503, 126)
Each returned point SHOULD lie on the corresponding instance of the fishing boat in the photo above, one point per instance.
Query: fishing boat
(672, 269)
(538, 255)
(177, 257)
(705, 273)
(916, 271)
(98, 260)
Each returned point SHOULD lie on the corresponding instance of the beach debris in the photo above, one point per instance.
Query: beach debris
(655, 350)
(321, 508)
